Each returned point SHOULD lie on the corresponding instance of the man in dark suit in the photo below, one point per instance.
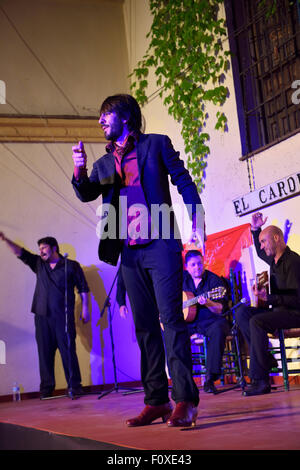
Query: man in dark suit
(132, 178)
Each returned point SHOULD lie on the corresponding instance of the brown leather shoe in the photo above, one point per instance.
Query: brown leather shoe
(151, 413)
(184, 415)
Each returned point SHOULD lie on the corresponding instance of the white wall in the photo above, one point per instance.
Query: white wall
(226, 177)
(70, 44)
(61, 57)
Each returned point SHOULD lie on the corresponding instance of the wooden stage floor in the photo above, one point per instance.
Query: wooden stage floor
(227, 421)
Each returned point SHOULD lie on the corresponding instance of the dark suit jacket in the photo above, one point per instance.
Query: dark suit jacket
(157, 159)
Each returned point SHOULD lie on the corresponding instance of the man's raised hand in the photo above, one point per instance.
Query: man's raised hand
(79, 155)
(258, 221)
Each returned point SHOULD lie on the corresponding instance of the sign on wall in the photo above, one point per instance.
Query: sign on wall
(267, 195)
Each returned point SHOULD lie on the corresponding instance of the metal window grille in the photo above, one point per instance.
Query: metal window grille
(265, 48)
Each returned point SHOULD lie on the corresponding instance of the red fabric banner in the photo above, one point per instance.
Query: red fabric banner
(223, 249)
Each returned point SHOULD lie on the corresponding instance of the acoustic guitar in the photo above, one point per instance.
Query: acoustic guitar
(262, 281)
(189, 301)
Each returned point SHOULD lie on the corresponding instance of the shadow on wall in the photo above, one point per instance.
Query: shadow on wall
(90, 336)
(287, 228)
(88, 333)
(93, 338)
(241, 279)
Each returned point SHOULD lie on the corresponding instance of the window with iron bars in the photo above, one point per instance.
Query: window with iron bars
(265, 46)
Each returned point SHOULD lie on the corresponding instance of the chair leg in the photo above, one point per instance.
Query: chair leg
(285, 372)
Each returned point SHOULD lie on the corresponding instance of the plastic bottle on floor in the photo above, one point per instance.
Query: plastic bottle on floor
(16, 392)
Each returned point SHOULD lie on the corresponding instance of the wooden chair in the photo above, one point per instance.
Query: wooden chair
(281, 349)
(198, 349)
(263, 280)
(232, 358)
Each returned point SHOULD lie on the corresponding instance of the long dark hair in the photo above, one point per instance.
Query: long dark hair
(126, 107)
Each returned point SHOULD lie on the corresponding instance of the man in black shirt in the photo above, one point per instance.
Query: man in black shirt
(281, 307)
(54, 323)
(208, 321)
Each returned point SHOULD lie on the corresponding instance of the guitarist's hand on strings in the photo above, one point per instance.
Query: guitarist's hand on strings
(202, 300)
(260, 292)
(214, 307)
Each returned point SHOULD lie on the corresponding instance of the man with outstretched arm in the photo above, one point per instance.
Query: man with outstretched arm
(53, 328)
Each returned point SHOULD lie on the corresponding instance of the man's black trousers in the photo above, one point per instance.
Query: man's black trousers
(255, 324)
(153, 279)
(50, 336)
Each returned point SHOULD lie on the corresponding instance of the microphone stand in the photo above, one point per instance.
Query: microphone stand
(241, 383)
(70, 390)
(107, 305)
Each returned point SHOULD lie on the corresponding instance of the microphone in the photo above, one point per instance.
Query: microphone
(66, 255)
(241, 302)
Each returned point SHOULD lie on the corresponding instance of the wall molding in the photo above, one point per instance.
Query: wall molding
(50, 129)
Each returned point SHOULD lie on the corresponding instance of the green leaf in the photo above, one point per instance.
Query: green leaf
(186, 54)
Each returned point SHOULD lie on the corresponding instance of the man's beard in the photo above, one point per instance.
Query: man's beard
(114, 132)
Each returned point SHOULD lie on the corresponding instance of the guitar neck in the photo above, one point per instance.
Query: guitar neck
(194, 300)
(262, 280)
(216, 293)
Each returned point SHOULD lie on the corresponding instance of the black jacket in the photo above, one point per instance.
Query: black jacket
(284, 276)
(157, 159)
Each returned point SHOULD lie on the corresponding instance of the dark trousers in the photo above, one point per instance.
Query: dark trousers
(215, 330)
(50, 335)
(153, 280)
(255, 324)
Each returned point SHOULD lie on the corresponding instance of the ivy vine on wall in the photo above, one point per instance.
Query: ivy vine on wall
(186, 52)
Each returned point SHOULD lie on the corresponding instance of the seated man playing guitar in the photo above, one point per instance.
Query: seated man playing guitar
(275, 310)
(208, 320)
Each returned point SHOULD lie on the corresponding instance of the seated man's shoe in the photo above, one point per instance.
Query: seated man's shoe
(258, 387)
(184, 415)
(151, 413)
(209, 387)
